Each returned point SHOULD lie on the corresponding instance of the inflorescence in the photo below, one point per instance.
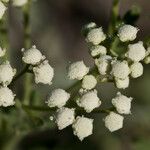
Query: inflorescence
(109, 67)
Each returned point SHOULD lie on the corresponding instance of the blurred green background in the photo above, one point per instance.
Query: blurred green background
(56, 31)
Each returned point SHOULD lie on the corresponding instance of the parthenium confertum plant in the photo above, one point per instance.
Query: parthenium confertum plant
(117, 58)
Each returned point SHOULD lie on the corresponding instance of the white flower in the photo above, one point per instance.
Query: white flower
(6, 97)
(2, 9)
(89, 101)
(19, 3)
(113, 121)
(136, 52)
(102, 64)
(89, 82)
(2, 52)
(32, 56)
(6, 73)
(95, 36)
(122, 83)
(127, 33)
(147, 60)
(147, 51)
(122, 103)
(120, 69)
(82, 127)
(58, 98)
(65, 117)
(77, 70)
(44, 73)
(90, 25)
(98, 50)
(136, 69)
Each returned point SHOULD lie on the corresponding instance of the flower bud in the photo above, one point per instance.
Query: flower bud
(58, 98)
(65, 117)
(82, 127)
(77, 70)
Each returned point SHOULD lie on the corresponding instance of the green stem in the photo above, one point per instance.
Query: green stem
(25, 70)
(78, 110)
(27, 44)
(114, 16)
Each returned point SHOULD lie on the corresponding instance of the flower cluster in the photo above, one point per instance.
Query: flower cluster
(108, 68)
(35, 62)
(7, 74)
(16, 3)
(43, 72)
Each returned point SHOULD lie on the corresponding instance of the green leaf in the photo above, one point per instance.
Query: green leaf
(132, 15)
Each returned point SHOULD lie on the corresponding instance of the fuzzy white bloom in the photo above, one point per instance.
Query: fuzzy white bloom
(77, 70)
(82, 127)
(122, 83)
(2, 9)
(32, 56)
(113, 121)
(6, 73)
(44, 73)
(58, 98)
(127, 33)
(147, 60)
(136, 52)
(98, 50)
(120, 69)
(122, 103)
(102, 64)
(95, 36)
(136, 69)
(89, 82)
(65, 117)
(89, 101)
(19, 3)
(6, 97)
(2, 52)
(90, 25)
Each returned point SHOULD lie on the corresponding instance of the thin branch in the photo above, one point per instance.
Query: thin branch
(22, 72)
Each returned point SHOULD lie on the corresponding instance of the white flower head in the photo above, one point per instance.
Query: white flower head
(103, 63)
(89, 82)
(58, 98)
(2, 52)
(44, 73)
(120, 69)
(136, 69)
(95, 36)
(127, 33)
(6, 97)
(65, 117)
(77, 70)
(136, 52)
(113, 121)
(2, 9)
(147, 60)
(82, 127)
(122, 83)
(98, 50)
(89, 101)
(122, 103)
(90, 25)
(6, 73)
(32, 56)
(19, 3)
